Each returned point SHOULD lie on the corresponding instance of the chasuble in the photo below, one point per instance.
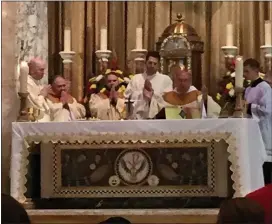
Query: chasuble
(36, 100)
(60, 112)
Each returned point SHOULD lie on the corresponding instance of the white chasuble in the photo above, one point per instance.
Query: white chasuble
(61, 113)
(36, 100)
(102, 109)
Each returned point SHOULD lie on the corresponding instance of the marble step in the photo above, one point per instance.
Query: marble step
(135, 216)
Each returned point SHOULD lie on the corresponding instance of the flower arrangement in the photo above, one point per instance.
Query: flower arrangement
(227, 87)
(226, 90)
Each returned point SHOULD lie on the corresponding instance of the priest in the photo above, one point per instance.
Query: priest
(37, 91)
(144, 89)
(109, 102)
(63, 107)
(259, 106)
(186, 97)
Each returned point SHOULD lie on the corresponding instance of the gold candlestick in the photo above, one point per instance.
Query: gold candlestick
(239, 111)
(23, 115)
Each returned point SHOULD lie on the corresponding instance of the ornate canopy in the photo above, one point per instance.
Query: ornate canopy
(180, 45)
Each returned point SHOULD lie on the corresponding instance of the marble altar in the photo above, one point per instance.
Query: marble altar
(246, 149)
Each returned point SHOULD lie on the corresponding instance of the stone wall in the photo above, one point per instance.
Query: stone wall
(32, 29)
(25, 21)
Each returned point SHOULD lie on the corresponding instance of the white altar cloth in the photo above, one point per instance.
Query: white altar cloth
(249, 157)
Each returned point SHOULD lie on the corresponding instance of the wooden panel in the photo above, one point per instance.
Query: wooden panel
(117, 31)
(78, 45)
(90, 41)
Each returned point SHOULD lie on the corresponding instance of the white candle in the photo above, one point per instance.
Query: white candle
(103, 39)
(139, 37)
(239, 72)
(267, 32)
(229, 34)
(23, 76)
(67, 39)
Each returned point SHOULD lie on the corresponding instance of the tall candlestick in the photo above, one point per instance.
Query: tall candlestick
(23, 76)
(139, 37)
(267, 32)
(103, 39)
(229, 34)
(67, 40)
(239, 72)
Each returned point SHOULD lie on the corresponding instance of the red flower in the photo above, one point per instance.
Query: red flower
(226, 91)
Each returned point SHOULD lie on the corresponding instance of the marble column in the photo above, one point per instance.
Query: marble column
(25, 21)
(10, 101)
(32, 31)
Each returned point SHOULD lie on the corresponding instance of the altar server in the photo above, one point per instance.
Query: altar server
(37, 91)
(63, 107)
(259, 99)
(185, 95)
(145, 88)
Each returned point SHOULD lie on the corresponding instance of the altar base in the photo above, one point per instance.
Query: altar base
(152, 216)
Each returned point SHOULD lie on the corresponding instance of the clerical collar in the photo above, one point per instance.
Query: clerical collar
(256, 82)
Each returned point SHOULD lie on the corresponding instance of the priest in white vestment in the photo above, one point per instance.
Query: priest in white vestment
(187, 97)
(37, 91)
(63, 107)
(109, 103)
(259, 101)
(145, 88)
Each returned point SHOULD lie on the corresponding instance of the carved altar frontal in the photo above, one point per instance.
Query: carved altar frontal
(135, 168)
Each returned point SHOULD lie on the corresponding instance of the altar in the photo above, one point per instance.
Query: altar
(243, 155)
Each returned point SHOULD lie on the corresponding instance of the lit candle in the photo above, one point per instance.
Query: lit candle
(23, 76)
(267, 32)
(103, 39)
(67, 39)
(239, 72)
(139, 37)
(229, 34)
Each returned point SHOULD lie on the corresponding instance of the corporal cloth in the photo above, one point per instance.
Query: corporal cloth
(103, 109)
(160, 84)
(259, 99)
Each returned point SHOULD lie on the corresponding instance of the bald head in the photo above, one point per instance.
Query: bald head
(36, 68)
(59, 84)
(182, 80)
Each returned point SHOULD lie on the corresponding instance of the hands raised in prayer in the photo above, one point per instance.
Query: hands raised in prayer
(64, 97)
(113, 94)
(148, 90)
(45, 90)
